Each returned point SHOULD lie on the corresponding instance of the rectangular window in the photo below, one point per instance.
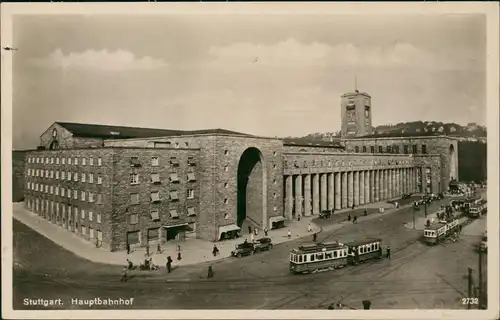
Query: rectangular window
(68, 193)
(91, 161)
(84, 161)
(396, 149)
(84, 231)
(155, 161)
(69, 160)
(190, 193)
(63, 160)
(191, 212)
(99, 235)
(83, 195)
(99, 199)
(51, 189)
(62, 191)
(134, 218)
(57, 175)
(155, 196)
(134, 162)
(174, 196)
(372, 149)
(84, 177)
(356, 149)
(75, 176)
(389, 149)
(46, 173)
(51, 160)
(191, 177)
(91, 197)
(98, 217)
(91, 178)
(191, 161)
(174, 177)
(75, 194)
(364, 149)
(155, 178)
(134, 198)
(174, 161)
(99, 179)
(174, 214)
(424, 149)
(63, 175)
(91, 215)
(82, 214)
(52, 174)
(46, 188)
(133, 237)
(155, 216)
(405, 149)
(57, 190)
(134, 178)
(91, 233)
(99, 161)
(69, 175)
(153, 234)
(414, 149)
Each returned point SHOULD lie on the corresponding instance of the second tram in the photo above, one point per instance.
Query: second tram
(436, 232)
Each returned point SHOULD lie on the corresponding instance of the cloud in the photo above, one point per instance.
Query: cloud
(293, 52)
(119, 60)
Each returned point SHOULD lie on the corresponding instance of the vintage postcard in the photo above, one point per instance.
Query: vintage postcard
(250, 160)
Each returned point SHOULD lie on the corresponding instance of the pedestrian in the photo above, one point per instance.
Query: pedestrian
(130, 265)
(179, 257)
(265, 231)
(366, 213)
(309, 227)
(251, 237)
(147, 250)
(353, 206)
(388, 252)
(298, 217)
(355, 220)
(128, 248)
(169, 264)
(97, 243)
(249, 229)
(349, 217)
(289, 234)
(158, 248)
(215, 250)
(256, 231)
(315, 237)
(210, 272)
(178, 248)
(124, 275)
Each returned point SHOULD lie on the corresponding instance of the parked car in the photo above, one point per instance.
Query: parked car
(263, 244)
(325, 214)
(406, 196)
(243, 249)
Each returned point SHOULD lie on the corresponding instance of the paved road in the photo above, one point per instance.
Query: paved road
(417, 276)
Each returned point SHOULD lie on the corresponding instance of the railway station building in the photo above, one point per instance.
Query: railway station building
(124, 185)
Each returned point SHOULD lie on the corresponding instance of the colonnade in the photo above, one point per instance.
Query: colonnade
(311, 193)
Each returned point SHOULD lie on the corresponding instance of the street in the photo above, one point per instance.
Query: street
(417, 276)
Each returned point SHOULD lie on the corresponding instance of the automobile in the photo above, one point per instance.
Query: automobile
(263, 244)
(243, 249)
(325, 214)
(406, 196)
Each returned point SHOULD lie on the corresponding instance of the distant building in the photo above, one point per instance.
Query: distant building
(138, 186)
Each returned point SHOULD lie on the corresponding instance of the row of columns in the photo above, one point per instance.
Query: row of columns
(311, 193)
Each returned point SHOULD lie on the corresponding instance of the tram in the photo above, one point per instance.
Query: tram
(436, 232)
(333, 255)
(361, 251)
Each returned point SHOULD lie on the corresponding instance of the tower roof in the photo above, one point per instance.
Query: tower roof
(356, 93)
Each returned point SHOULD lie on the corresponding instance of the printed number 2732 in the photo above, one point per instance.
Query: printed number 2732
(470, 301)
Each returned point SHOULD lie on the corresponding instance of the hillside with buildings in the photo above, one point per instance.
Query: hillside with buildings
(470, 132)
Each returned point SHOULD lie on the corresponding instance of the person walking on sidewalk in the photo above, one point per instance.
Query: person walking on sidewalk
(255, 231)
(265, 231)
(124, 275)
(158, 248)
(349, 217)
(169, 264)
(388, 255)
(298, 217)
(315, 236)
(128, 248)
(210, 272)
(179, 257)
(215, 250)
(309, 228)
(366, 213)
(353, 206)
(289, 234)
(147, 251)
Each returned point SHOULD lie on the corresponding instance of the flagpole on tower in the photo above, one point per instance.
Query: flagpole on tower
(355, 83)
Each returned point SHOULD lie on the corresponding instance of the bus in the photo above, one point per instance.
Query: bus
(436, 232)
(333, 255)
(318, 257)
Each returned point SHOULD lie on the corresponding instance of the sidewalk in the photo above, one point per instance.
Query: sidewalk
(193, 251)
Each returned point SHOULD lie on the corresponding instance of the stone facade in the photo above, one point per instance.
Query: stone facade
(282, 179)
(356, 114)
(18, 168)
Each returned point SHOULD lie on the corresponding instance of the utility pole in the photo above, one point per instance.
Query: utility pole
(414, 209)
(469, 291)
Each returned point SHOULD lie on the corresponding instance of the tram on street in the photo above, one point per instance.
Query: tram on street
(478, 209)
(333, 255)
(436, 232)
(318, 257)
(361, 251)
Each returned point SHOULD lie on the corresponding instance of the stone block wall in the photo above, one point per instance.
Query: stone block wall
(18, 172)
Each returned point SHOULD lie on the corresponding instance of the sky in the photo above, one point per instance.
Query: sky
(268, 75)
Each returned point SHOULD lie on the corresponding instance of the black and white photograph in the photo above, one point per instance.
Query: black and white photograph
(250, 160)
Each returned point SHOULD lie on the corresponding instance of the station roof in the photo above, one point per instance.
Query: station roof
(121, 132)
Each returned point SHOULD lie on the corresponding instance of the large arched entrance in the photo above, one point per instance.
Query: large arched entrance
(453, 163)
(252, 190)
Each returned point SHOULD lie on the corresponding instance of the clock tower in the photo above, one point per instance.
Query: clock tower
(356, 114)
